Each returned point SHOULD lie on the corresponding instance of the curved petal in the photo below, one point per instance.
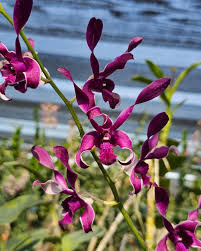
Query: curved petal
(67, 219)
(62, 154)
(158, 153)
(153, 90)
(94, 31)
(22, 11)
(2, 92)
(50, 186)
(162, 200)
(42, 156)
(162, 245)
(121, 139)
(3, 50)
(188, 225)
(112, 98)
(136, 182)
(142, 168)
(193, 215)
(123, 116)
(81, 96)
(157, 124)
(32, 73)
(117, 64)
(94, 112)
(134, 43)
(88, 141)
(94, 65)
(181, 247)
(87, 90)
(87, 218)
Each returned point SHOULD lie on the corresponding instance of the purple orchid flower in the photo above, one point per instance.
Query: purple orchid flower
(74, 202)
(100, 82)
(105, 138)
(19, 71)
(182, 235)
(138, 176)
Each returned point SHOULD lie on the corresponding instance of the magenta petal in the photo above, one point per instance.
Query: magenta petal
(193, 215)
(116, 64)
(94, 31)
(3, 50)
(196, 242)
(111, 97)
(87, 218)
(50, 187)
(94, 112)
(18, 49)
(42, 156)
(134, 43)
(2, 92)
(157, 124)
(121, 139)
(66, 73)
(153, 90)
(162, 245)
(88, 141)
(153, 141)
(142, 168)
(136, 182)
(162, 200)
(32, 73)
(94, 65)
(107, 157)
(18, 65)
(22, 11)
(60, 180)
(158, 153)
(82, 98)
(124, 115)
(62, 154)
(67, 219)
(188, 225)
(180, 247)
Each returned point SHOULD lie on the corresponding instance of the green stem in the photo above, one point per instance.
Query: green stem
(81, 131)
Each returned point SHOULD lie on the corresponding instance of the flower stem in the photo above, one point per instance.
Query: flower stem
(81, 131)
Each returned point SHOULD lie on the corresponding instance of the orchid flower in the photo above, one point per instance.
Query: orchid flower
(72, 203)
(99, 82)
(107, 136)
(104, 138)
(149, 150)
(19, 71)
(182, 235)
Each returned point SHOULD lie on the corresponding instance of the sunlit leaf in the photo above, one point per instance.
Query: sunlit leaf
(141, 79)
(10, 210)
(181, 77)
(156, 70)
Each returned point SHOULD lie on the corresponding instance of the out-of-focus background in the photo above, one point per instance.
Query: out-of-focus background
(171, 34)
(171, 47)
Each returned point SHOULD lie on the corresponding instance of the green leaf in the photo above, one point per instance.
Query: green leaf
(177, 106)
(155, 69)
(10, 210)
(141, 79)
(73, 240)
(25, 241)
(181, 77)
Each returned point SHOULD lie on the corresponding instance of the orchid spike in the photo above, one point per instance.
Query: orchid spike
(72, 203)
(182, 235)
(138, 176)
